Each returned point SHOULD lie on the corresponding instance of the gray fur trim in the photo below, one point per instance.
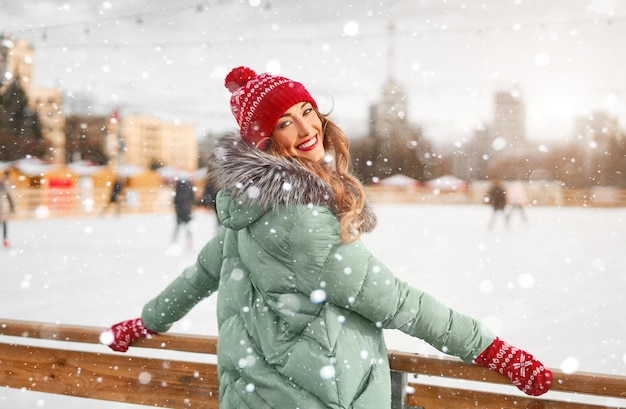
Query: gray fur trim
(254, 175)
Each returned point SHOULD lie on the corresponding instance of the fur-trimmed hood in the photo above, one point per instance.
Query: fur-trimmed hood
(253, 175)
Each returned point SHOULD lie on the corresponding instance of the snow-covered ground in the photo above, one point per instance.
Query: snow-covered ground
(554, 287)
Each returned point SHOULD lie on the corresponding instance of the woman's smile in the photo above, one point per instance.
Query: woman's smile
(308, 145)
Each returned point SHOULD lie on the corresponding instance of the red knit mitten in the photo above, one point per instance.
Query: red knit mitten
(527, 373)
(122, 334)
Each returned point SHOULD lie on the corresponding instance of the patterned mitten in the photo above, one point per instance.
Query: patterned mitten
(122, 334)
(527, 373)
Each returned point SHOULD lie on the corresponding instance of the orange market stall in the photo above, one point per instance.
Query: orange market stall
(143, 189)
(44, 188)
(92, 180)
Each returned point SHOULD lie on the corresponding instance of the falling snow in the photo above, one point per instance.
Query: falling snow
(554, 287)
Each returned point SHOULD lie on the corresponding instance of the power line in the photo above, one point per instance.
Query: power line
(136, 17)
(142, 19)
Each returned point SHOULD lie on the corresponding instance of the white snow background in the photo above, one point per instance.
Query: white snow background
(554, 287)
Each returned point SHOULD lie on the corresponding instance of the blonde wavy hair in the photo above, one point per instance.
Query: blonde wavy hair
(348, 190)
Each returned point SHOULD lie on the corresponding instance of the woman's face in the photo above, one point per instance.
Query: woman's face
(298, 133)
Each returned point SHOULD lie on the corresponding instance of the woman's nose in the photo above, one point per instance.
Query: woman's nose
(304, 128)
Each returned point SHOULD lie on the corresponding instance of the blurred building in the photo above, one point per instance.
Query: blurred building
(598, 138)
(16, 60)
(16, 63)
(150, 142)
(596, 129)
(138, 140)
(509, 122)
(498, 148)
(86, 139)
(48, 103)
(393, 145)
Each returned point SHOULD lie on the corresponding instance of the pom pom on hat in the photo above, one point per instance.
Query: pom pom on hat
(238, 77)
(258, 101)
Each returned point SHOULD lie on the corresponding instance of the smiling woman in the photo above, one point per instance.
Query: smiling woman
(279, 115)
(302, 303)
(298, 133)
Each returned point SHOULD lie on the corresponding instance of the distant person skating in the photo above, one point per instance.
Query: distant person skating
(184, 199)
(496, 198)
(517, 200)
(7, 205)
(116, 197)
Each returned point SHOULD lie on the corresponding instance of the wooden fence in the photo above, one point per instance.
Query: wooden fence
(538, 195)
(58, 202)
(61, 366)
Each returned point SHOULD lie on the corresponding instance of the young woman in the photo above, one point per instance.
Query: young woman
(302, 303)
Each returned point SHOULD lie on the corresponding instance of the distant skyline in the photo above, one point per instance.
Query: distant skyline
(169, 59)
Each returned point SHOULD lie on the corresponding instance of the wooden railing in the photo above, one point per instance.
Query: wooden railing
(58, 202)
(537, 196)
(60, 366)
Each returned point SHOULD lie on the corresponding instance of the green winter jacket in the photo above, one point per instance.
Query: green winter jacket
(300, 314)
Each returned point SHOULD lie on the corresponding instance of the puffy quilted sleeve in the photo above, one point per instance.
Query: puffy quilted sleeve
(349, 276)
(195, 283)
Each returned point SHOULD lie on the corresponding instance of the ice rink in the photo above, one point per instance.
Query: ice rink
(554, 286)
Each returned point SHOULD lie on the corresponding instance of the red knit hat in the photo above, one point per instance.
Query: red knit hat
(258, 101)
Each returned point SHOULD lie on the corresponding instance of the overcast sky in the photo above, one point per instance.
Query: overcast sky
(169, 58)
